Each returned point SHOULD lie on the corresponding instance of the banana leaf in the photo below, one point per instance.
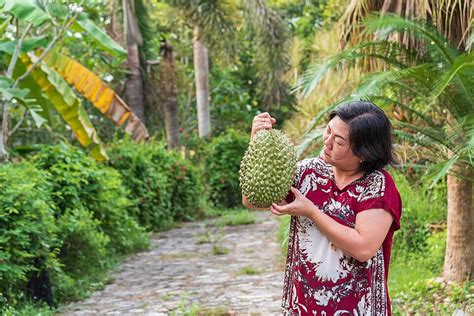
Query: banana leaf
(25, 10)
(67, 104)
(97, 92)
(84, 24)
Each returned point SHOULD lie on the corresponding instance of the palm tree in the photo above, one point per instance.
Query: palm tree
(453, 19)
(134, 91)
(273, 44)
(436, 90)
(213, 28)
(168, 87)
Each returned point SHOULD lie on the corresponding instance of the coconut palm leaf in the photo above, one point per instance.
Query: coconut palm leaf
(371, 49)
(459, 72)
(214, 21)
(391, 23)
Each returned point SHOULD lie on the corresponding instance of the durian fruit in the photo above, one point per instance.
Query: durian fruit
(268, 168)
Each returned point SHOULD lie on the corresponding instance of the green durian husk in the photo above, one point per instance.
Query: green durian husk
(268, 168)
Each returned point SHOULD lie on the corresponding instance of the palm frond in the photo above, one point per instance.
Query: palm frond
(214, 19)
(272, 39)
(316, 73)
(460, 74)
(436, 135)
(388, 24)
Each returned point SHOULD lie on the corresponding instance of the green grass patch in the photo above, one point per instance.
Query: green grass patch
(236, 218)
(248, 270)
(208, 237)
(219, 250)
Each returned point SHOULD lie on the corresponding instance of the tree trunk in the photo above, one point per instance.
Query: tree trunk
(459, 259)
(115, 29)
(4, 133)
(169, 95)
(134, 84)
(201, 69)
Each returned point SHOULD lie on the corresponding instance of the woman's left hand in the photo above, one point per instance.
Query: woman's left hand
(301, 206)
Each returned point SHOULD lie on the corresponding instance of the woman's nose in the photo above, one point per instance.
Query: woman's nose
(328, 142)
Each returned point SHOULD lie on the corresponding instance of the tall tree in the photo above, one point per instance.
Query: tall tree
(168, 88)
(272, 59)
(134, 84)
(453, 19)
(213, 28)
(201, 70)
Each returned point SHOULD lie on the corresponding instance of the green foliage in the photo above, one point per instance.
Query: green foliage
(27, 229)
(424, 211)
(81, 186)
(164, 186)
(222, 168)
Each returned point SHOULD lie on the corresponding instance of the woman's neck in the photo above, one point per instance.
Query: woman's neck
(344, 177)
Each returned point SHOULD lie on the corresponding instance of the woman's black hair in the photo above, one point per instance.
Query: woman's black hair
(370, 135)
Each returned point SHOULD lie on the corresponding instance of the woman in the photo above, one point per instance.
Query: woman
(344, 210)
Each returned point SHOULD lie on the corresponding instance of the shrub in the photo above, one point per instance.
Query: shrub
(423, 211)
(222, 168)
(80, 186)
(165, 186)
(186, 197)
(150, 189)
(27, 230)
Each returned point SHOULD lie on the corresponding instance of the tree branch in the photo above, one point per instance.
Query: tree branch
(14, 129)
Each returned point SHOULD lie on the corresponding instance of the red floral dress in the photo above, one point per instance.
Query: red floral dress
(319, 278)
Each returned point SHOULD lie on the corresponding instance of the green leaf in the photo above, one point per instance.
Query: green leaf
(67, 104)
(25, 10)
(27, 45)
(84, 24)
(35, 93)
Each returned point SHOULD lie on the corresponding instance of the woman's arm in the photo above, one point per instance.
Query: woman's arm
(361, 242)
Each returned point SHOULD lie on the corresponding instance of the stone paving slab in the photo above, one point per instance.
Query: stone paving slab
(182, 269)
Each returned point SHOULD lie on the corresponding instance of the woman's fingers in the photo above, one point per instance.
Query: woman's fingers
(283, 209)
(274, 211)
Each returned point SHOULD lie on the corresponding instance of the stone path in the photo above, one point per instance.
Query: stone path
(231, 270)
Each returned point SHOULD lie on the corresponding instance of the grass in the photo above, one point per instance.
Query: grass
(248, 270)
(208, 237)
(219, 250)
(236, 218)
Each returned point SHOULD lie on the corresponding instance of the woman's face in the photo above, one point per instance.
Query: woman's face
(337, 149)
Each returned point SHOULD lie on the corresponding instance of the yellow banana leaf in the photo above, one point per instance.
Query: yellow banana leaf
(97, 92)
(66, 103)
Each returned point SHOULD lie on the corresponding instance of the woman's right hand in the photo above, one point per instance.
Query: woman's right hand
(262, 121)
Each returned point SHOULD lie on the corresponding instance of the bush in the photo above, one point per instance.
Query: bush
(186, 197)
(81, 185)
(423, 212)
(222, 168)
(165, 186)
(27, 230)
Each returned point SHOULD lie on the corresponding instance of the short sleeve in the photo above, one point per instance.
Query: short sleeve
(382, 194)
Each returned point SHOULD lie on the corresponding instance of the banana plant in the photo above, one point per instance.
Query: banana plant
(44, 75)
